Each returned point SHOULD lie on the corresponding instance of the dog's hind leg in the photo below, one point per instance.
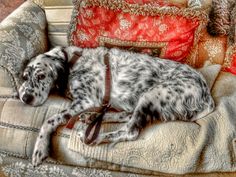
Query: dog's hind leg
(117, 117)
(130, 131)
(155, 104)
(109, 117)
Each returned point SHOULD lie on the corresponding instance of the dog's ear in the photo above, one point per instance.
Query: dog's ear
(60, 73)
(63, 79)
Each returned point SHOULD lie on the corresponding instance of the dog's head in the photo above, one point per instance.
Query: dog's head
(42, 74)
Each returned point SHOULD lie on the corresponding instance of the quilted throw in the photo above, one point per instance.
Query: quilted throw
(156, 27)
(207, 145)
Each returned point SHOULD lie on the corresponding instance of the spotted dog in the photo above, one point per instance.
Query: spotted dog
(144, 87)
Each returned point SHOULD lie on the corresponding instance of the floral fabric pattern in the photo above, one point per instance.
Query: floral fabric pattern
(157, 28)
(22, 36)
(13, 167)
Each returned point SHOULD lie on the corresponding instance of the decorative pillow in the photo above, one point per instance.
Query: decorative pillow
(22, 36)
(222, 19)
(230, 60)
(157, 27)
(219, 18)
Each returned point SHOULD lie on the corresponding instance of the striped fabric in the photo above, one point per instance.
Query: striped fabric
(58, 14)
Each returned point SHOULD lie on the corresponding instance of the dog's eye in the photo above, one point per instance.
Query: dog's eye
(41, 76)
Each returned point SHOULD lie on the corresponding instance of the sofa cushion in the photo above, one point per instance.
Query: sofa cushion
(22, 36)
(20, 123)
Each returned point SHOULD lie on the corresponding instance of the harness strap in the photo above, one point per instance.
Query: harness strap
(94, 127)
(75, 57)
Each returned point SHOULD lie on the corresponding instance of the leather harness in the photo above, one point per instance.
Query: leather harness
(94, 127)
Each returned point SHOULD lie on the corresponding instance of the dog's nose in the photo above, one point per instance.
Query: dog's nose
(27, 98)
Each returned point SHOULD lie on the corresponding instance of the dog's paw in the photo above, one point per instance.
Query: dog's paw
(41, 151)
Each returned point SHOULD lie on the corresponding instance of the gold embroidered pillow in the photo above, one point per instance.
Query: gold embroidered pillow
(156, 27)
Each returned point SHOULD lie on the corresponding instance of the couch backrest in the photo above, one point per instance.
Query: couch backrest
(58, 13)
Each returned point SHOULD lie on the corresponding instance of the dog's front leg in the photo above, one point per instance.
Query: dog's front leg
(41, 148)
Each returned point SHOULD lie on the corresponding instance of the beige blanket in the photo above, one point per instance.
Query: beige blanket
(179, 147)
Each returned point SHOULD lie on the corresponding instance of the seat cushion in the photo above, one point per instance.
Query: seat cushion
(20, 123)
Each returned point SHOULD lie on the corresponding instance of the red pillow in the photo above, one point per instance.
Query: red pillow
(156, 27)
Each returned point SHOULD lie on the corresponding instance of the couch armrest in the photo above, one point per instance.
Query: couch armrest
(22, 36)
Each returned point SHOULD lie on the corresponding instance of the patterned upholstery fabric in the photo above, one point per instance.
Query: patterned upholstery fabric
(22, 36)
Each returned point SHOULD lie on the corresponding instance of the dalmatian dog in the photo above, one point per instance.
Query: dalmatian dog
(146, 88)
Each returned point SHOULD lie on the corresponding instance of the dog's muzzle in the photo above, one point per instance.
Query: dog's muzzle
(27, 98)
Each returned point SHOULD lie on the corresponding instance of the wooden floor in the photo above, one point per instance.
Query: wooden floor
(7, 6)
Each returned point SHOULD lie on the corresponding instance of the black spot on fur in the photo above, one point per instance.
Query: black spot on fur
(124, 83)
(179, 90)
(39, 154)
(154, 74)
(98, 93)
(150, 82)
(66, 116)
(131, 102)
(51, 121)
(163, 103)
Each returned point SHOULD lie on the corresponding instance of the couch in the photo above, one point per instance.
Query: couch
(203, 148)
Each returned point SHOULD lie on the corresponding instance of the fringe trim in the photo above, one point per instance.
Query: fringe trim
(146, 9)
(73, 21)
(142, 44)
